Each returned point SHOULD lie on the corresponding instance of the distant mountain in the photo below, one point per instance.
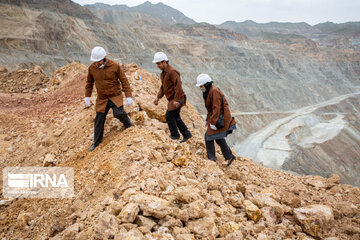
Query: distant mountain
(340, 28)
(122, 14)
(159, 10)
(251, 28)
(67, 7)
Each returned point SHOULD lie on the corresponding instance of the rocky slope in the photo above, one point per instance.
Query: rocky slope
(67, 7)
(264, 80)
(139, 184)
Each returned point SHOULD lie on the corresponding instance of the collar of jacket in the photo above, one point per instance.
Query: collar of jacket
(108, 63)
(167, 68)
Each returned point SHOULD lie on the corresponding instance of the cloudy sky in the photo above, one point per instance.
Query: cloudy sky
(262, 11)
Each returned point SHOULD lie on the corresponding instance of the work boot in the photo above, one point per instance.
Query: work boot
(213, 159)
(231, 160)
(92, 148)
(186, 138)
(174, 137)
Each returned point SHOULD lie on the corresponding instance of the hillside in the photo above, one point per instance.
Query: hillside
(139, 184)
(160, 11)
(286, 90)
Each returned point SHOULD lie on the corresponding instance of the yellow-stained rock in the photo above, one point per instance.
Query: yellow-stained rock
(228, 228)
(252, 211)
(180, 162)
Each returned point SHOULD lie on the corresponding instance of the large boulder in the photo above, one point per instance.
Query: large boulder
(204, 227)
(152, 206)
(187, 194)
(107, 226)
(314, 219)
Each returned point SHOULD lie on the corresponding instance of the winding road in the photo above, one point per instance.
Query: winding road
(262, 146)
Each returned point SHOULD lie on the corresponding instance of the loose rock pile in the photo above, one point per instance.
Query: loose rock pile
(22, 81)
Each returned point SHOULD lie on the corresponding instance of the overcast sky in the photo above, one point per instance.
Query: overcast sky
(261, 11)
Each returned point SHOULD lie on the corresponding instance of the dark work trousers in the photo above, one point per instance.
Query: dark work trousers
(100, 118)
(174, 122)
(225, 149)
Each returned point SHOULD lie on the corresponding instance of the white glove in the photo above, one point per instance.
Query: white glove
(129, 101)
(213, 127)
(87, 101)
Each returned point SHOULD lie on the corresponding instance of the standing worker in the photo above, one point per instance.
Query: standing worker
(219, 122)
(106, 73)
(171, 87)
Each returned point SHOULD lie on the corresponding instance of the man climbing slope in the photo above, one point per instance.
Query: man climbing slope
(171, 87)
(106, 73)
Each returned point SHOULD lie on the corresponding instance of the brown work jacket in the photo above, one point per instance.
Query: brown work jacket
(171, 87)
(107, 84)
(213, 107)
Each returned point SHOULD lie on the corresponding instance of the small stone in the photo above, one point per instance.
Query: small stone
(333, 180)
(152, 206)
(187, 194)
(145, 222)
(228, 228)
(82, 236)
(237, 200)
(23, 220)
(196, 209)
(106, 227)
(133, 234)
(158, 156)
(129, 212)
(187, 236)
(204, 227)
(58, 132)
(269, 215)
(70, 232)
(183, 214)
(262, 236)
(55, 229)
(252, 211)
(49, 160)
(180, 162)
(115, 208)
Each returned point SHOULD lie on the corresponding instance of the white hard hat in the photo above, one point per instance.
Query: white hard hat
(202, 79)
(159, 57)
(97, 54)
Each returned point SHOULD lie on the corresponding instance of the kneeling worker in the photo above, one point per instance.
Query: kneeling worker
(106, 74)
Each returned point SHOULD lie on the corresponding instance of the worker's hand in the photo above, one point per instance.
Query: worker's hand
(213, 127)
(87, 102)
(129, 101)
(176, 104)
(156, 101)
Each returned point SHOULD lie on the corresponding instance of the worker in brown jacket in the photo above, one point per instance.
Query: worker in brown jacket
(106, 74)
(171, 87)
(219, 122)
